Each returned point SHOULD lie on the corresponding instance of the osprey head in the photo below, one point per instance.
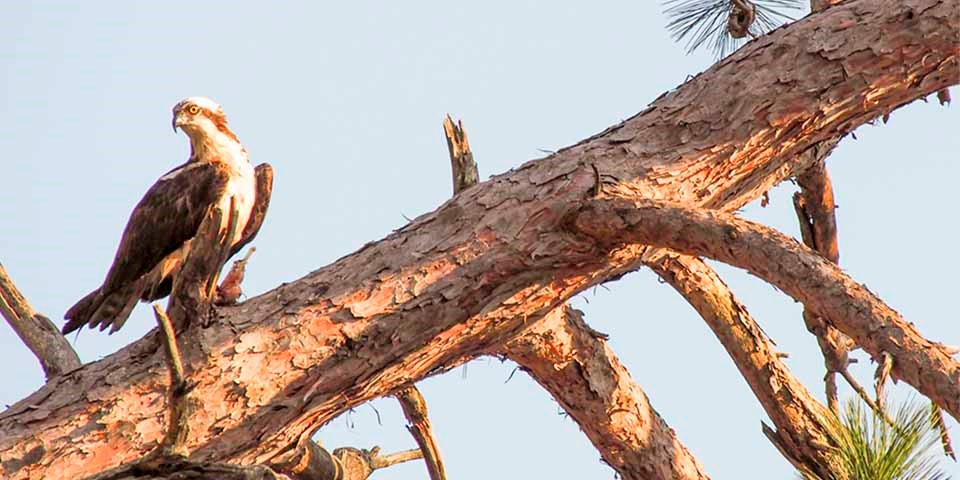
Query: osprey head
(198, 116)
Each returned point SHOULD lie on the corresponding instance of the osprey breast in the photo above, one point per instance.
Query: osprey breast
(241, 191)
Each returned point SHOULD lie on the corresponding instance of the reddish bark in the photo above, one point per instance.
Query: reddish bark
(577, 367)
(815, 208)
(800, 272)
(37, 332)
(459, 280)
(799, 417)
(415, 409)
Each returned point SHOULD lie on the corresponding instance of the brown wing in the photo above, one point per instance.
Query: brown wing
(168, 215)
(264, 188)
(264, 174)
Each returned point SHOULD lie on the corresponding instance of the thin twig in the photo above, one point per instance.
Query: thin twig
(37, 332)
(936, 414)
(866, 397)
(389, 460)
(415, 409)
(311, 461)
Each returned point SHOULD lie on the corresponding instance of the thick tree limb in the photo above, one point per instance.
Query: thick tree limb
(415, 409)
(461, 279)
(37, 332)
(799, 417)
(820, 5)
(798, 271)
(184, 470)
(574, 363)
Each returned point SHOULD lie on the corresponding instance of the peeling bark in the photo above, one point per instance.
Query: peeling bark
(457, 281)
(574, 363)
(415, 409)
(37, 332)
(799, 417)
(462, 166)
(815, 208)
(800, 272)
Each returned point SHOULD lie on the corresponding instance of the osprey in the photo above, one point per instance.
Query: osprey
(159, 233)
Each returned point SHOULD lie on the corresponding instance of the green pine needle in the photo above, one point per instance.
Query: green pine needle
(704, 22)
(869, 448)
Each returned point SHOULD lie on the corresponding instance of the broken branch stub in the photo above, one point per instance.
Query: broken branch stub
(37, 332)
(462, 165)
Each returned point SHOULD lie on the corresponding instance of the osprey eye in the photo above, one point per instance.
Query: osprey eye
(193, 109)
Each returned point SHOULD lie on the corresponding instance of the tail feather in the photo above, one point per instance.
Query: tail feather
(80, 312)
(115, 308)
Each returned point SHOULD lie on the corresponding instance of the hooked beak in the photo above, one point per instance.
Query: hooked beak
(177, 121)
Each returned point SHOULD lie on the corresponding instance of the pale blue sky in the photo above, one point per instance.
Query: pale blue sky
(345, 100)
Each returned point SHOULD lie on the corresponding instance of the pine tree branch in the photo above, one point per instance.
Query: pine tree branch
(815, 207)
(576, 365)
(801, 273)
(37, 332)
(573, 362)
(801, 434)
(415, 409)
(459, 280)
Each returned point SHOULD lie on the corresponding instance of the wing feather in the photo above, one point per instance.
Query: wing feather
(168, 215)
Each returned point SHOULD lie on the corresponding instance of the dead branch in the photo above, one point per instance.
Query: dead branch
(815, 207)
(184, 470)
(576, 366)
(862, 393)
(461, 158)
(415, 409)
(313, 462)
(574, 363)
(459, 280)
(936, 414)
(384, 461)
(37, 332)
(801, 273)
(343, 464)
(801, 434)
